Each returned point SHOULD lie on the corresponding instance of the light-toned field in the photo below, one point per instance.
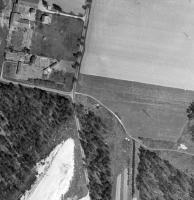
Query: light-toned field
(69, 5)
(148, 41)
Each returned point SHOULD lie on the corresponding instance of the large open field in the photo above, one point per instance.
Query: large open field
(146, 110)
(145, 41)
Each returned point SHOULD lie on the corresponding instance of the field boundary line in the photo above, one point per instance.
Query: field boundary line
(129, 135)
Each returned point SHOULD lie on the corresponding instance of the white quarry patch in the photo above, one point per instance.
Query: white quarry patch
(54, 174)
(183, 147)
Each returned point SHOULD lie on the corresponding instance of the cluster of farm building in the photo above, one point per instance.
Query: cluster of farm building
(43, 43)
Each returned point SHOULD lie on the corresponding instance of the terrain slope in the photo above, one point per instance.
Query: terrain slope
(32, 123)
(159, 179)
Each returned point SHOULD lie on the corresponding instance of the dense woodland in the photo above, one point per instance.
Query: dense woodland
(31, 121)
(158, 179)
(97, 155)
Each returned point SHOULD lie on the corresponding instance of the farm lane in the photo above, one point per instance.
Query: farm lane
(39, 87)
(71, 95)
(82, 50)
(42, 8)
(130, 136)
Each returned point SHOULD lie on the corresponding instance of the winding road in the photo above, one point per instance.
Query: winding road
(72, 95)
(44, 9)
(129, 135)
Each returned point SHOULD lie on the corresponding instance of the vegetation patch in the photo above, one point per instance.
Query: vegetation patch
(120, 147)
(187, 135)
(36, 122)
(97, 155)
(158, 179)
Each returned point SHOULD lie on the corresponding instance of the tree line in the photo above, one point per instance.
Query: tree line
(33, 120)
(97, 155)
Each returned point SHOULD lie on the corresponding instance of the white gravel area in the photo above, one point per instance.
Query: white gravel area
(54, 174)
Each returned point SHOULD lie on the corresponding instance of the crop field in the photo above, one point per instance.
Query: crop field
(146, 110)
(57, 40)
(144, 41)
(74, 6)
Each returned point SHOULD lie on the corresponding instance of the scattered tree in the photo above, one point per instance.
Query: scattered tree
(45, 4)
(190, 111)
(57, 8)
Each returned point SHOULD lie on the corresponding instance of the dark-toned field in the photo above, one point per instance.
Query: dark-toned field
(57, 40)
(146, 110)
